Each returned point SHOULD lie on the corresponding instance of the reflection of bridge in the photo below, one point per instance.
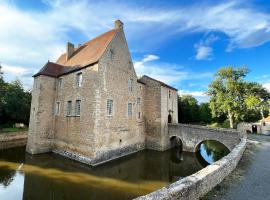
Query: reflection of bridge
(192, 135)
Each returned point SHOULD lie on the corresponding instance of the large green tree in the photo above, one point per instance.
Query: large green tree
(188, 109)
(227, 93)
(257, 98)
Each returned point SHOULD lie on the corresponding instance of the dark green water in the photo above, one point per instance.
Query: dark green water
(53, 177)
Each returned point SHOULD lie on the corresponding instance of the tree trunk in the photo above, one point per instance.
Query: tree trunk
(261, 111)
(230, 118)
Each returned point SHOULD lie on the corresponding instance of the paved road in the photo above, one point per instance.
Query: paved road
(251, 179)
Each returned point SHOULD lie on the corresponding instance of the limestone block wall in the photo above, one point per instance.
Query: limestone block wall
(169, 106)
(75, 134)
(119, 134)
(41, 117)
(152, 109)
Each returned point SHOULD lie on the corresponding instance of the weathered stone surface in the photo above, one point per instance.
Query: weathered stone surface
(195, 186)
(192, 135)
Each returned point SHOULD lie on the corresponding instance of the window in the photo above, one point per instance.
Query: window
(57, 108)
(138, 101)
(78, 108)
(139, 115)
(109, 107)
(130, 85)
(129, 64)
(129, 109)
(79, 80)
(69, 108)
(111, 54)
(169, 94)
(60, 82)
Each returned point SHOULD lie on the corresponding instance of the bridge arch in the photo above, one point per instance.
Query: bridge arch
(197, 146)
(176, 141)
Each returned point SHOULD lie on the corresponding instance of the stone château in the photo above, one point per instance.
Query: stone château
(90, 105)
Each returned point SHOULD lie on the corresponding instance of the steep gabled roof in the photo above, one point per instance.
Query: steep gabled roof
(83, 56)
(90, 52)
(161, 83)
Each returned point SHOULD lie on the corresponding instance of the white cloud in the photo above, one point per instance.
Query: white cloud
(15, 70)
(30, 38)
(169, 73)
(267, 86)
(204, 53)
(201, 96)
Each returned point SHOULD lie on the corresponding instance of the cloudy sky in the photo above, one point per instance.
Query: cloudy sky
(182, 43)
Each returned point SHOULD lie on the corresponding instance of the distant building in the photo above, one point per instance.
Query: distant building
(90, 106)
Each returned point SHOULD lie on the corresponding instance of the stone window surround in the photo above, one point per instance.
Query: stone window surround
(130, 85)
(112, 114)
(69, 108)
(60, 82)
(78, 107)
(57, 108)
(129, 114)
(79, 79)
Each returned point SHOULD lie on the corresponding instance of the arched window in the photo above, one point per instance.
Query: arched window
(169, 118)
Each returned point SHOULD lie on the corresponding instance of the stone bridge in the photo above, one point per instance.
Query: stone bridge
(192, 135)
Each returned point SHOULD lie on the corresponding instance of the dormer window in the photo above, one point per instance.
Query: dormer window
(79, 79)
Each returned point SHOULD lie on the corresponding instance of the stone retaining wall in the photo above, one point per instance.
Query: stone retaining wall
(7, 137)
(195, 186)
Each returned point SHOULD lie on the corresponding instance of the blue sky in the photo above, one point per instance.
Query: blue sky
(182, 43)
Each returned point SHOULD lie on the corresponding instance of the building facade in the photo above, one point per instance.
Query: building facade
(91, 106)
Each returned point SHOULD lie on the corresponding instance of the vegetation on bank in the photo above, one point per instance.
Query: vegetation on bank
(232, 100)
(15, 104)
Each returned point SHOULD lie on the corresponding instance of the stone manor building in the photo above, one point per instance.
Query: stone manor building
(90, 105)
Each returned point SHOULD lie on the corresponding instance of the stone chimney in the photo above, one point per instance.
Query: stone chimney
(118, 24)
(70, 50)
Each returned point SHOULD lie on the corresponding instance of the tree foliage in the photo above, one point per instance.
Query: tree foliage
(14, 102)
(227, 93)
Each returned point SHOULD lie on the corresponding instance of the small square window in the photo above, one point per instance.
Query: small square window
(138, 101)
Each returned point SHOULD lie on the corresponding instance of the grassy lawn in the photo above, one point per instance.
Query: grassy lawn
(12, 130)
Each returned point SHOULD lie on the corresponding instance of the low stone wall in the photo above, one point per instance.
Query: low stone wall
(10, 140)
(6, 137)
(195, 186)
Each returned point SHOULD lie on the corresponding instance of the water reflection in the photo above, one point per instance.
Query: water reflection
(211, 151)
(53, 177)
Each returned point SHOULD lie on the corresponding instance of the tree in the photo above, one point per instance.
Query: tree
(205, 113)
(188, 109)
(17, 106)
(257, 98)
(227, 93)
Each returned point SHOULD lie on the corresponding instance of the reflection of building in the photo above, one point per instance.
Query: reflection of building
(90, 105)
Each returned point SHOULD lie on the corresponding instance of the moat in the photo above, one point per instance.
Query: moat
(53, 177)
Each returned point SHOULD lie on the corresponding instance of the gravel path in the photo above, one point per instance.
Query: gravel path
(251, 178)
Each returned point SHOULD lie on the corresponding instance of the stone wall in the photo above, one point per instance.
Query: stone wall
(40, 131)
(11, 140)
(192, 135)
(197, 185)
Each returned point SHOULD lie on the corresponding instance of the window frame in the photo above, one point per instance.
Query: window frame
(57, 108)
(78, 104)
(79, 79)
(129, 103)
(69, 108)
(112, 107)
(130, 85)
(60, 82)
